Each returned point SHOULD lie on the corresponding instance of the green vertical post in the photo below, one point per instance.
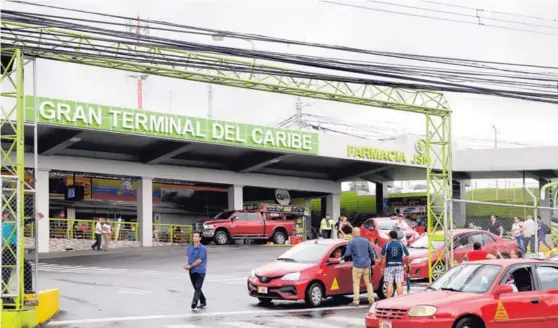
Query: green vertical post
(20, 170)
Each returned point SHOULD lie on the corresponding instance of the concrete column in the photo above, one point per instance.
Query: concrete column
(145, 211)
(308, 217)
(71, 213)
(333, 208)
(544, 211)
(236, 198)
(458, 215)
(42, 228)
(381, 198)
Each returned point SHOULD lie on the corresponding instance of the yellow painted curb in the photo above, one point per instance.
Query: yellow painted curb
(49, 305)
(18, 319)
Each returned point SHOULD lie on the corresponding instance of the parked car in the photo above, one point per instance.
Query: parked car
(377, 230)
(463, 240)
(488, 294)
(310, 271)
(228, 226)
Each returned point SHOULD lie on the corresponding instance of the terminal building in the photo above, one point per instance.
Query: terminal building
(150, 170)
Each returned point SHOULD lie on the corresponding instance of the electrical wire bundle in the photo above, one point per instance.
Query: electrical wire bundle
(528, 82)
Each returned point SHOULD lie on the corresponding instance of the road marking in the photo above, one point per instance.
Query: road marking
(307, 323)
(184, 325)
(347, 320)
(242, 324)
(134, 291)
(80, 322)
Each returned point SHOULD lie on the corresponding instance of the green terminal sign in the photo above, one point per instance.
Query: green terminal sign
(389, 155)
(115, 119)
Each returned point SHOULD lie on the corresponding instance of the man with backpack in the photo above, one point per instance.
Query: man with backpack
(543, 230)
(394, 261)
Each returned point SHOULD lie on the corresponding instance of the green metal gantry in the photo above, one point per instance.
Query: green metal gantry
(93, 50)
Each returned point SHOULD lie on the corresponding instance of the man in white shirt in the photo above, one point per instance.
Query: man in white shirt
(98, 234)
(529, 231)
(107, 231)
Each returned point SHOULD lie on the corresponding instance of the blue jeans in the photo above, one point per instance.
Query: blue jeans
(519, 240)
(529, 241)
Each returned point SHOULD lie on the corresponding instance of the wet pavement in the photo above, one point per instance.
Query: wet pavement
(151, 289)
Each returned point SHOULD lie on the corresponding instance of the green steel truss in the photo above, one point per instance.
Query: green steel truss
(94, 50)
(12, 118)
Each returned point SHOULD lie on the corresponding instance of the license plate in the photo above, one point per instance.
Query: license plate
(262, 290)
(385, 324)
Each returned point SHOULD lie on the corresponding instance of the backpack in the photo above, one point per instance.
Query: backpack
(545, 228)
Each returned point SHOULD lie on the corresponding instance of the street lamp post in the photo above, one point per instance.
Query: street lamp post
(140, 78)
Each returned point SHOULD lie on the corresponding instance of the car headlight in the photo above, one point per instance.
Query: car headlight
(373, 308)
(252, 274)
(419, 260)
(291, 276)
(422, 311)
(208, 226)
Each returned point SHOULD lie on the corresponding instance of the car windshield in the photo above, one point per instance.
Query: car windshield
(224, 215)
(389, 224)
(305, 253)
(468, 278)
(422, 243)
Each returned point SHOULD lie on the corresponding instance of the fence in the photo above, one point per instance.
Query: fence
(519, 225)
(77, 229)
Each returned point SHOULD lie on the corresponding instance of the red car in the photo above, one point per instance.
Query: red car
(463, 240)
(485, 294)
(310, 271)
(377, 230)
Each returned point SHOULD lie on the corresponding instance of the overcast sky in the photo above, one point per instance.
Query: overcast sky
(311, 20)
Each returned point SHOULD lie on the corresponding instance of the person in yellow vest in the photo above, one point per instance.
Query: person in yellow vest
(326, 227)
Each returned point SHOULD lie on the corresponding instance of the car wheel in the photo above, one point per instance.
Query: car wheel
(265, 301)
(221, 237)
(279, 238)
(314, 295)
(469, 323)
(382, 290)
(438, 270)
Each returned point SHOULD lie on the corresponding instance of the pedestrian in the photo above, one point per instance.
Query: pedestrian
(344, 228)
(98, 234)
(197, 265)
(529, 234)
(9, 253)
(477, 254)
(517, 229)
(363, 256)
(395, 262)
(543, 230)
(107, 231)
(326, 227)
(495, 226)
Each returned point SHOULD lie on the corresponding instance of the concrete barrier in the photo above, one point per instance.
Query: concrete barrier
(49, 305)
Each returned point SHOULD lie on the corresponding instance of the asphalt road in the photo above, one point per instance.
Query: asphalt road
(150, 289)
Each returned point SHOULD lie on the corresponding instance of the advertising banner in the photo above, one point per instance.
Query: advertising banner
(120, 190)
(115, 119)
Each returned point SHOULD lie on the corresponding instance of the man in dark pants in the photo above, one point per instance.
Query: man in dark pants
(197, 265)
(98, 234)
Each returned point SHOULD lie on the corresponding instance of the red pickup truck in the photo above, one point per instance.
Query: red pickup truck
(248, 225)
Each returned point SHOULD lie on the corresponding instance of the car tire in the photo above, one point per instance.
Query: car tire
(382, 289)
(437, 268)
(221, 237)
(279, 238)
(468, 322)
(314, 294)
(265, 301)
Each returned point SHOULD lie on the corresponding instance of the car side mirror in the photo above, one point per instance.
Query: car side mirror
(333, 261)
(503, 289)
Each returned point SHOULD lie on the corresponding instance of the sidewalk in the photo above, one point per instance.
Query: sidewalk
(118, 251)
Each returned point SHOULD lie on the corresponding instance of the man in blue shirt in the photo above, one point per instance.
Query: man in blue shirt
(362, 254)
(197, 265)
(393, 255)
(9, 244)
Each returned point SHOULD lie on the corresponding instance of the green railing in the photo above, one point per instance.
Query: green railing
(172, 233)
(85, 229)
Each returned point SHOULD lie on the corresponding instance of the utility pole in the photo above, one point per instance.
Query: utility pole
(139, 30)
(496, 146)
(209, 101)
(298, 114)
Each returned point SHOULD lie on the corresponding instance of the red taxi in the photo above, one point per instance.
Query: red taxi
(463, 240)
(481, 294)
(377, 230)
(310, 271)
